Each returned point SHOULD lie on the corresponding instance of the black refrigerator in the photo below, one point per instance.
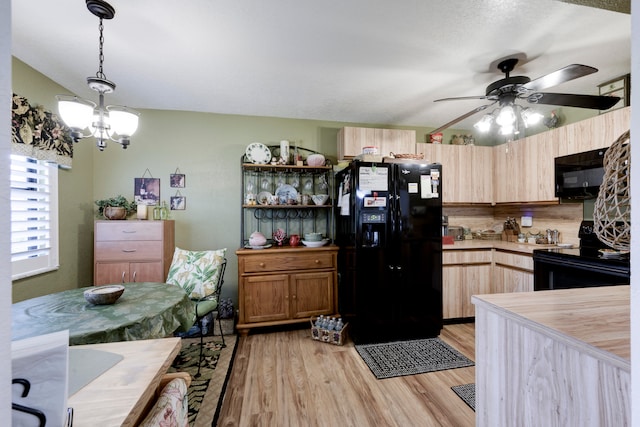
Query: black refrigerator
(389, 230)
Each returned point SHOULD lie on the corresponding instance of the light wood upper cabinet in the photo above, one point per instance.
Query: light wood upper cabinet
(467, 171)
(524, 170)
(351, 140)
(598, 132)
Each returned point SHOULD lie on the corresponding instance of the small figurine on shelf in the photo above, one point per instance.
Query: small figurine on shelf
(278, 236)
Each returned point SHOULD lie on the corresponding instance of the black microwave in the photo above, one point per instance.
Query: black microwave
(578, 176)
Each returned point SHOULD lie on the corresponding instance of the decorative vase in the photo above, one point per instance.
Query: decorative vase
(279, 235)
(115, 212)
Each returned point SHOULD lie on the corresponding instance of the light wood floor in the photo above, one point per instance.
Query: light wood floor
(285, 378)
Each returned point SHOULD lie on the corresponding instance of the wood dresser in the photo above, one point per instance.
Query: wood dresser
(132, 251)
(285, 285)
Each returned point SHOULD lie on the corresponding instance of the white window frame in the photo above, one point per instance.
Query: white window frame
(34, 216)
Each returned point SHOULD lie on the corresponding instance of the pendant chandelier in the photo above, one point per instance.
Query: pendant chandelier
(113, 122)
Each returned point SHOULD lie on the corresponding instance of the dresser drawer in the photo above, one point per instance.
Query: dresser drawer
(128, 251)
(287, 262)
(109, 231)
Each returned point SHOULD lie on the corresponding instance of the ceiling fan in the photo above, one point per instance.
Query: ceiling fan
(506, 91)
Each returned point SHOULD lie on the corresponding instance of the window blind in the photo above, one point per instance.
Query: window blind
(34, 216)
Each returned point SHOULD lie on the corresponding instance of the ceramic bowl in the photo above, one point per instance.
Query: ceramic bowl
(313, 237)
(103, 295)
(315, 160)
(319, 199)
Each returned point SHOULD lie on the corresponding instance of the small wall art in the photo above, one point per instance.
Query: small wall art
(146, 190)
(178, 202)
(177, 179)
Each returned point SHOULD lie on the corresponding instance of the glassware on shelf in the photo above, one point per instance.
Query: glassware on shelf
(265, 183)
(295, 180)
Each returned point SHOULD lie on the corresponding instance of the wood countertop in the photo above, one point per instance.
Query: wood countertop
(598, 317)
(526, 248)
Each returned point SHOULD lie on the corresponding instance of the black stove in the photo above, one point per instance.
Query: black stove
(585, 266)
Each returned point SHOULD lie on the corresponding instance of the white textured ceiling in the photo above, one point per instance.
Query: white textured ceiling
(362, 61)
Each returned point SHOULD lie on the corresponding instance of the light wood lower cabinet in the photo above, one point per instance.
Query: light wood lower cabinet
(481, 271)
(132, 251)
(512, 272)
(464, 273)
(283, 286)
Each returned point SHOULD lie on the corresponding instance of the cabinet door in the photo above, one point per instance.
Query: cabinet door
(265, 298)
(507, 279)
(476, 280)
(146, 272)
(312, 294)
(397, 141)
(111, 272)
(467, 171)
(452, 291)
(508, 166)
(351, 140)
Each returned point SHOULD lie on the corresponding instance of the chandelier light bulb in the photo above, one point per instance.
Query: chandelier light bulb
(530, 117)
(507, 117)
(484, 124)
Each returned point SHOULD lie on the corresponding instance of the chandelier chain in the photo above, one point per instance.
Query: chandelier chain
(100, 74)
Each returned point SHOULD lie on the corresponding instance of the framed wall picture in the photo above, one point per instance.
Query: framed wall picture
(146, 191)
(177, 180)
(178, 203)
(620, 87)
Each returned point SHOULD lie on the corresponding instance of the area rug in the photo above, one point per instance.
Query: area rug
(394, 359)
(466, 392)
(206, 391)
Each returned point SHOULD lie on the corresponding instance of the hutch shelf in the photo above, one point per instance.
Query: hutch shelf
(284, 284)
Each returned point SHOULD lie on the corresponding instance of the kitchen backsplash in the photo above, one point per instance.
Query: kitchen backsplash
(564, 217)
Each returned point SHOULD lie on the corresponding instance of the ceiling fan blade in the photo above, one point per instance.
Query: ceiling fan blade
(562, 75)
(462, 117)
(595, 102)
(461, 97)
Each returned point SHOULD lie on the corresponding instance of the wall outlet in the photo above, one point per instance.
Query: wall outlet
(526, 221)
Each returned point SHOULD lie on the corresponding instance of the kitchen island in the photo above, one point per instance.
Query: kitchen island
(559, 357)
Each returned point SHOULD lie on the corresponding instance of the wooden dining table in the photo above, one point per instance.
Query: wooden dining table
(146, 310)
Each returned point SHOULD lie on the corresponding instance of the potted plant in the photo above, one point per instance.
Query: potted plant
(115, 207)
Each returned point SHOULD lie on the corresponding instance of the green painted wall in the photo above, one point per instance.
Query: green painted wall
(75, 200)
(205, 147)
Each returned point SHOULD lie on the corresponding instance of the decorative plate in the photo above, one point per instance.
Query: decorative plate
(263, 198)
(257, 246)
(258, 153)
(286, 192)
(315, 244)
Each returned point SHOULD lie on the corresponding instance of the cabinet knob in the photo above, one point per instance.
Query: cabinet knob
(123, 276)
(317, 261)
(261, 264)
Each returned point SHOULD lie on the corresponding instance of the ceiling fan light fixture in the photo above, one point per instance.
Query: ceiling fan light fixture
(115, 123)
(484, 124)
(506, 116)
(530, 117)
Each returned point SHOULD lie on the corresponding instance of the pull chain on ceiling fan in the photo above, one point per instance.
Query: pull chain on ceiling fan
(506, 91)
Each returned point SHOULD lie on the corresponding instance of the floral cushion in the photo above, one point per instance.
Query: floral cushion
(171, 409)
(197, 272)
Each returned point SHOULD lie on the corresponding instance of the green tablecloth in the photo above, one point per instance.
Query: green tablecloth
(144, 311)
